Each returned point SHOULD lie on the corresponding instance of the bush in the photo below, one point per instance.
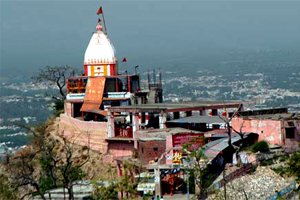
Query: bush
(58, 107)
(261, 146)
(6, 189)
(294, 165)
(105, 192)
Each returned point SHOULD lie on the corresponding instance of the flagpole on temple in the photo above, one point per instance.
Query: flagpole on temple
(100, 11)
(104, 24)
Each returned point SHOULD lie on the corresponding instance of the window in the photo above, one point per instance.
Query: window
(155, 149)
(124, 84)
(216, 126)
(290, 133)
(110, 85)
(290, 123)
(214, 112)
(135, 83)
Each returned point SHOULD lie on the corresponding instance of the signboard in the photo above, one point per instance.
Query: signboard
(77, 96)
(194, 139)
(93, 94)
(177, 155)
(146, 187)
(119, 95)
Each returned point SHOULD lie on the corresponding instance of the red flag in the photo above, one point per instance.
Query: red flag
(224, 114)
(99, 11)
(124, 60)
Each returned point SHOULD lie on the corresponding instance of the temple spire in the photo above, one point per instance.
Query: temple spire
(99, 27)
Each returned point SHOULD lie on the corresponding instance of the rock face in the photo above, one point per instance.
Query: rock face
(262, 184)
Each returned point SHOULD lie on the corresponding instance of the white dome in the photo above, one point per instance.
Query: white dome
(100, 50)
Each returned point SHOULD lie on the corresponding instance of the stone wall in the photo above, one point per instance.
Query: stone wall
(85, 133)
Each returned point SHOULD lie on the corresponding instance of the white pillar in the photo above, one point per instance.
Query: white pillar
(147, 118)
(202, 112)
(110, 124)
(182, 114)
(140, 118)
(162, 120)
(171, 114)
(135, 128)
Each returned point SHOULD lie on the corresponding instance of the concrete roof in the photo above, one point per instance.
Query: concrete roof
(285, 116)
(175, 107)
(162, 133)
(212, 149)
(197, 119)
(152, 139)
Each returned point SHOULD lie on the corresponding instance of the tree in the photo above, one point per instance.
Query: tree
(56, 76)
(23, 172)
(124, 185)
(23, 167)
(47, 163)
(198, 167)
(103, 192)
(6, 189)
(127, 183)
(294, 165)
(70, 169)
(230, 129)
(227, 121)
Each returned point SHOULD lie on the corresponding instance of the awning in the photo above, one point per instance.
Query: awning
(93, 94)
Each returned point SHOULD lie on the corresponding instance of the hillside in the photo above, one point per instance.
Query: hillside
(34, 163)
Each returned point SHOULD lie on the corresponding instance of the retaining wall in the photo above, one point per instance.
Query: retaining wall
(85, 133)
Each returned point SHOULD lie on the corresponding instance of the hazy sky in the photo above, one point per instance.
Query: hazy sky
(39, 33)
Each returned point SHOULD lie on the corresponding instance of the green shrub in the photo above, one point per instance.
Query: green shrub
(283, 158)
(261, 146)
(266, 162)
(58, 107)
(6, 189)
(294, 165)
(105, 192)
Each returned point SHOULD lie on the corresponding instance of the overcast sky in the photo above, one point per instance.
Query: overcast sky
(39, 33)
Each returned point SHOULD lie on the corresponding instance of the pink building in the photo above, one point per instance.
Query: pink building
(153, 143)
(281, 129)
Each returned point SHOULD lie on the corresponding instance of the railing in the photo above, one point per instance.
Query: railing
(76, 85)
(285, 191)
(155, 85)
(245, 169)
(113, 84)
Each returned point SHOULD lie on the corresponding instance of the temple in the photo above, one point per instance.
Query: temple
(102, 85)
(105, 109)
(117, 116)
